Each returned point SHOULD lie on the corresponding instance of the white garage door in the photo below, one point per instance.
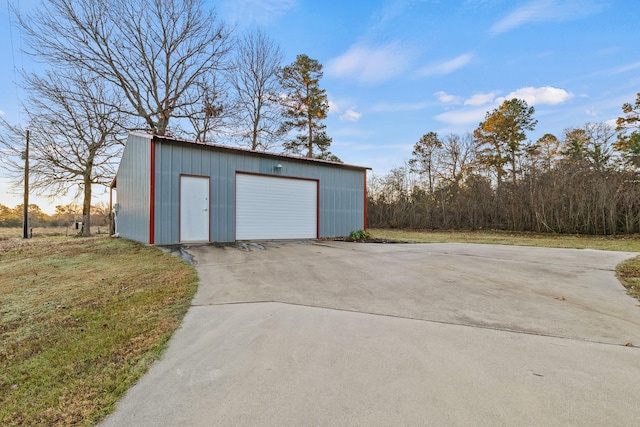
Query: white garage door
(275, 208)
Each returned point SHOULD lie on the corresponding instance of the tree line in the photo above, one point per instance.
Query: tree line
(584, 181)
(63, 216)
(167, 67)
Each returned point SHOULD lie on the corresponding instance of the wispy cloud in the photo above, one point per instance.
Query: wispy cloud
(480, 99)
(462, 116)
(447, 98)
(371, 65)
(445, 67)
(626, 68)
(262, 12)
(545, 95)
(547, 10)
(1, 113)
(350, 116)
(386, 107)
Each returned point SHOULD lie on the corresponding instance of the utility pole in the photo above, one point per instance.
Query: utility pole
(25, 207)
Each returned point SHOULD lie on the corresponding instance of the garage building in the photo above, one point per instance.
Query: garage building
(172, 191)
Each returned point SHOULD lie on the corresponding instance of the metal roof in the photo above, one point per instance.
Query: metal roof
(248, 151)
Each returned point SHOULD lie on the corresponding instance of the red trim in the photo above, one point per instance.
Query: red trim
(318, 209)
(365, 201)
(208, 178)
(152, 193)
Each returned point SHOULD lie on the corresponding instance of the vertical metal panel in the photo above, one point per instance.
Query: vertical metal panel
(133, 192)
(341, 195)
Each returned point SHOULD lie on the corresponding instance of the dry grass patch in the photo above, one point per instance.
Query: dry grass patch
(628, 273)
(38, 232)
(80, 321)
(610, 243)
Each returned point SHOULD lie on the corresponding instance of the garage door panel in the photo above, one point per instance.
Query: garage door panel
(275, 208)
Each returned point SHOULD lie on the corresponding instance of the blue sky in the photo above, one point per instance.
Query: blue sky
(396, 69)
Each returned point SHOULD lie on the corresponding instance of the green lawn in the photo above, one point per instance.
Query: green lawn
(81, 319)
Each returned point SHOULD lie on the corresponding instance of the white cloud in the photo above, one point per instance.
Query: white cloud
(333, 107)
(480, 99)
(463, 116)
(545, 95)
(547, 10)
(259, 11)
(350, 116)
(446, 98)
(1, 113)
(386, 107)
(611, 122)
(483, 102)
(371, 64)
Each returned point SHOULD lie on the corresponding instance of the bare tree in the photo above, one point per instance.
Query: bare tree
(155, 51)
(591, 144)
(456, 157)
(254, 78)
(211, 111)
(74, 127)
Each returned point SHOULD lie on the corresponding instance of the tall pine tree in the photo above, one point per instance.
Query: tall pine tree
(305, 106)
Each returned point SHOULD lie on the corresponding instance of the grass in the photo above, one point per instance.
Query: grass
(618, 243)
(628, 272)
(81, 319)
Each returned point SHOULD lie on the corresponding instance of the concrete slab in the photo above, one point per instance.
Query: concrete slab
(354, 334)
(556, 292)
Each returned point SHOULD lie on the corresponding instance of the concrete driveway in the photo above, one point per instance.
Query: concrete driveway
(343, 334)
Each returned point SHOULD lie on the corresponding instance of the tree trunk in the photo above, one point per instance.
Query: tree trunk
(86, 207)
(310, 124)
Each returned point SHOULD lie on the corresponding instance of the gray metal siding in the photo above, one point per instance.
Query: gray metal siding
(341, 208)
(133, 189)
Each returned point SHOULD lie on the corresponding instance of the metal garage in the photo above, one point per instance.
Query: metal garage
(172, 191)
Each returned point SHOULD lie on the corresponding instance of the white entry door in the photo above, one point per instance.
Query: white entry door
(194, 209)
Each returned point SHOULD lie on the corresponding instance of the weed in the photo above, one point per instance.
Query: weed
(359, 235)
